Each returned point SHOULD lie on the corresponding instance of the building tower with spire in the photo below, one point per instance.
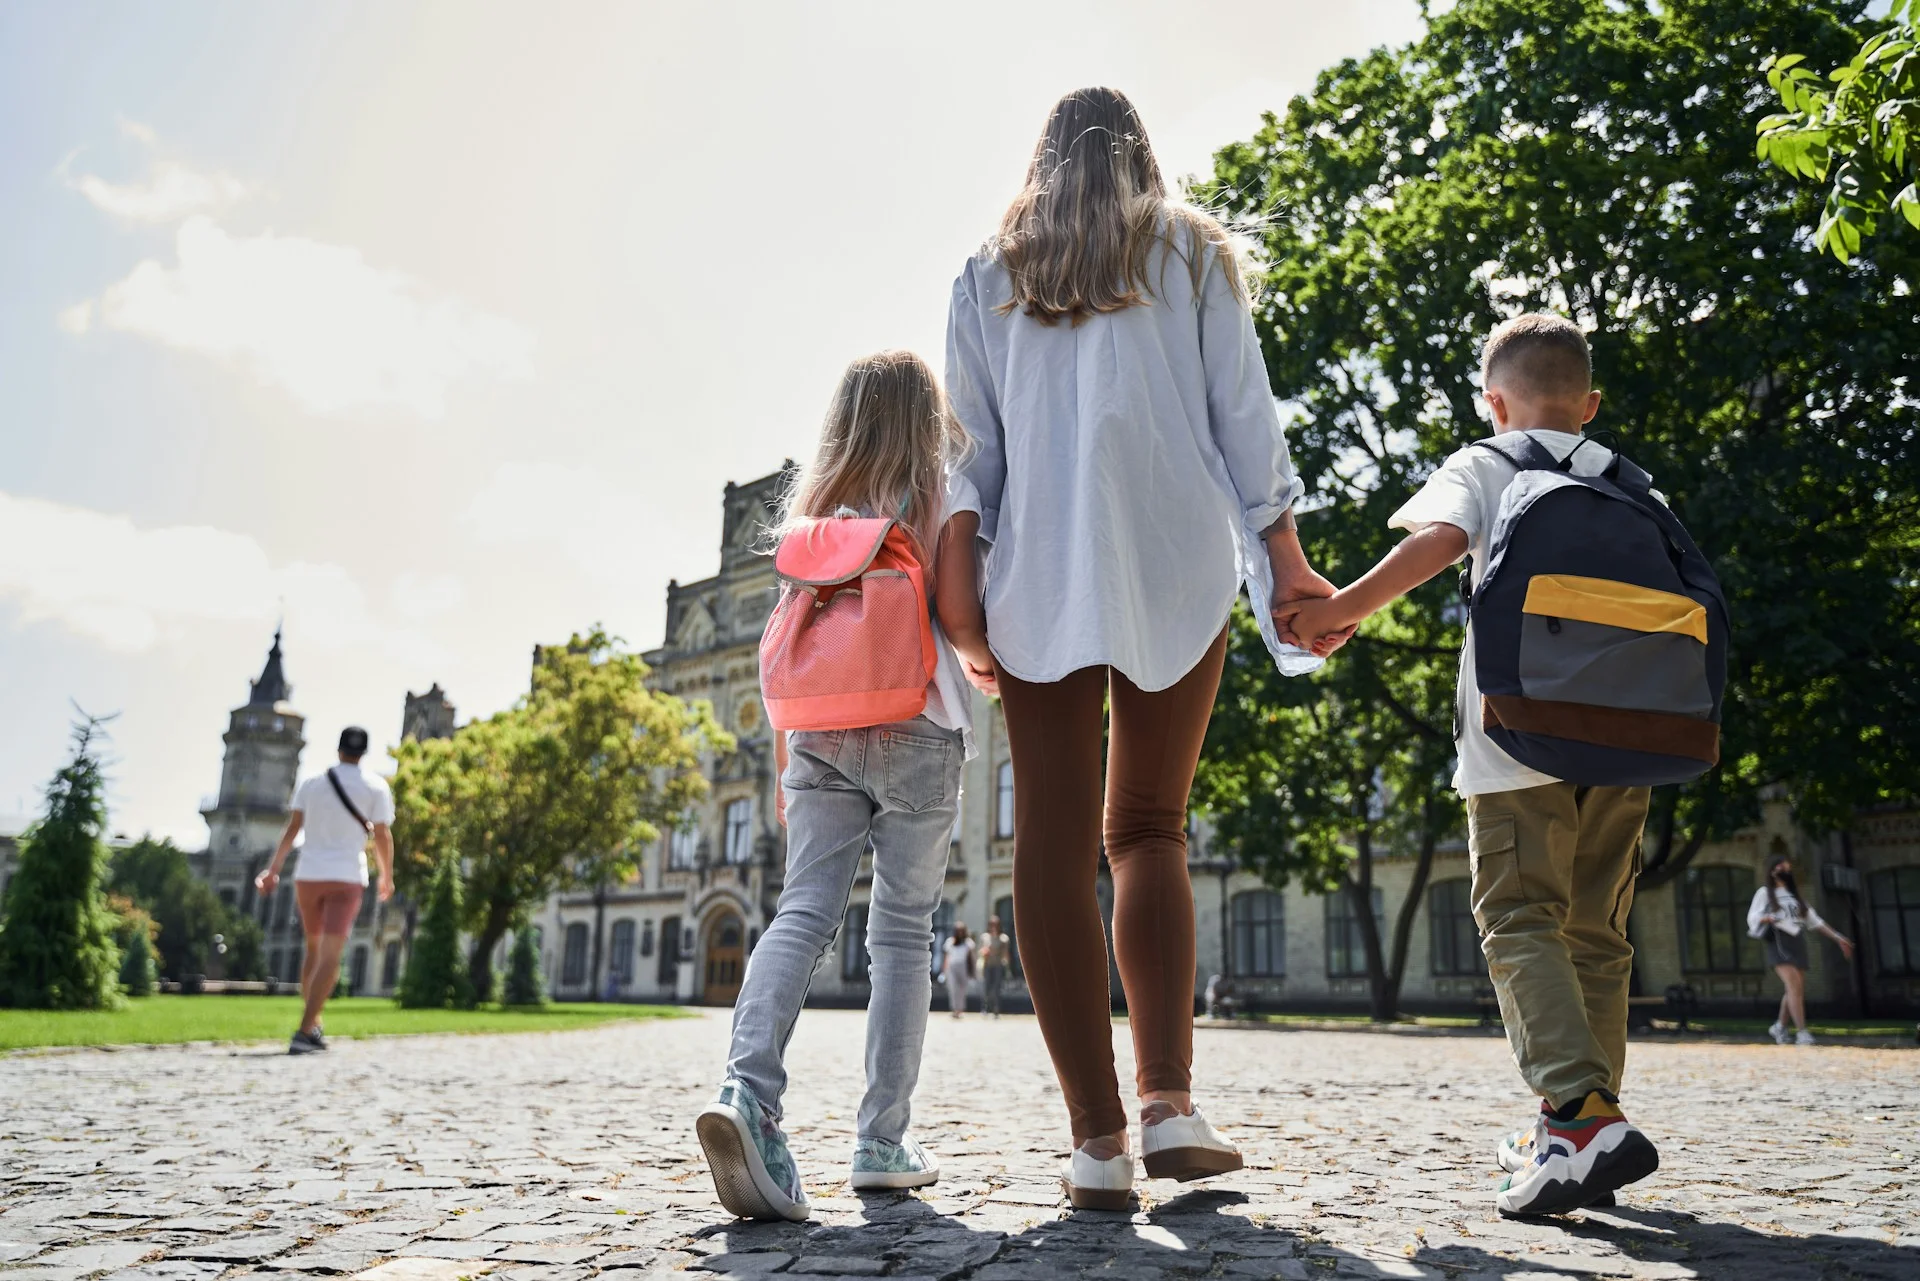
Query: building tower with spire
(262, 765)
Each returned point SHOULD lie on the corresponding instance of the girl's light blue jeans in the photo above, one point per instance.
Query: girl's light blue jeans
(896, 788)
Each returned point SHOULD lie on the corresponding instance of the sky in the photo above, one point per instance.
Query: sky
(437, 329)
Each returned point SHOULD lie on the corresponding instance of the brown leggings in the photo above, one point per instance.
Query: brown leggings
(1054, 731)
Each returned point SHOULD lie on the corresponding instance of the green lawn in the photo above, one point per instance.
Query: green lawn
(1710, 1026)
(168, 1020)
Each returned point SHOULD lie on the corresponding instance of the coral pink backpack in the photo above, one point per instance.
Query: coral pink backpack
(850, 643)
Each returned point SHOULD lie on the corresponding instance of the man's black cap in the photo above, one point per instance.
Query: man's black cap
(353, 741)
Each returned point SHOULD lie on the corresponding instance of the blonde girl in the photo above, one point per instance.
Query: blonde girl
(889, 445)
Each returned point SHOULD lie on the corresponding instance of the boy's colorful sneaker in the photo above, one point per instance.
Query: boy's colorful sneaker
(880, 1165)
(753, 1172)
(1578, 1160)
(1516, 1150)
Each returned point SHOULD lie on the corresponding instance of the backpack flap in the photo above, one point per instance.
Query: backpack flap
(826, 552)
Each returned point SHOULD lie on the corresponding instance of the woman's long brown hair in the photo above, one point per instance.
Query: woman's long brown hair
(1082, 236)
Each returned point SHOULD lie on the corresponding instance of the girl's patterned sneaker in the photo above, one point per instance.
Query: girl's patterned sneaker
(752, 1169)
(1579, 1161)
(879, 1165)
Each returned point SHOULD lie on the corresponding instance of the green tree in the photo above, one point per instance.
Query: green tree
(436, 976)
(193, 921)
(1865, 116)
(56, 942)
(561, 790)
(1589, 157)
(138, 974)
(526, 984)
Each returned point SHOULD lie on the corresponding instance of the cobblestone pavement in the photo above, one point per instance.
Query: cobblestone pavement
(559, 1155)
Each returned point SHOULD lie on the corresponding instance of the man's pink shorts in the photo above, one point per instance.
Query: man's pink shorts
(328, 907)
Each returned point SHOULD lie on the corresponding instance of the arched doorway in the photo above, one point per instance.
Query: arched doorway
(726, 954)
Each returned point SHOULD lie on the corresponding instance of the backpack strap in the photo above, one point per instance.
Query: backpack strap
(352, 809)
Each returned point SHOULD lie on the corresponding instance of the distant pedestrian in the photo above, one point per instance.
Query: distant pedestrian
(996, 954)
(957, 968)
(338, 811)
(1781, 919)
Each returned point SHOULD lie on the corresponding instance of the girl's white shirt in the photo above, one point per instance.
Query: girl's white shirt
(1126, 467)
(1790, 915)
(955, 957)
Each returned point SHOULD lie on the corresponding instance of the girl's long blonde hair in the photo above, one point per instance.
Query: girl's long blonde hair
(885, 448)
(1082, 235)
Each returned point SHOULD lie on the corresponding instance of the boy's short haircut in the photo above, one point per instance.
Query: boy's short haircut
(1539, 356)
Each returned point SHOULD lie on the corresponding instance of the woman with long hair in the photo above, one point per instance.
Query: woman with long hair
(956, 967)
(1780, 918)
(1132, 470)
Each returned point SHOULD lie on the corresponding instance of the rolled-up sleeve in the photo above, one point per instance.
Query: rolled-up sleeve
(1244, 420)
(970, 391)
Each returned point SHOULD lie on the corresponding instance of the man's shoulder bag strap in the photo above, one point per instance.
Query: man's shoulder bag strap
(345, 800)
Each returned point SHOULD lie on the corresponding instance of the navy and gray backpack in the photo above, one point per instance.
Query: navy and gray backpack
(1599, 630)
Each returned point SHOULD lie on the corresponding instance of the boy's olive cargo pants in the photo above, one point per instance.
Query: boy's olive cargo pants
(1553, 870)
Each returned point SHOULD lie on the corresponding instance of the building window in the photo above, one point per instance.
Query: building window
(1895, 896)
(1346, 950)
(1456, 939)
(274, 962)
(646, 939)
(853, 945)
(1003, 908)
(357, 971)
(1259, 935)
(670, 952)
(739, 831)
(573, 966)
(683, 843)
(1713, 921)
(1003, 801)
(229, 896)
(390, 967)
(620, 964)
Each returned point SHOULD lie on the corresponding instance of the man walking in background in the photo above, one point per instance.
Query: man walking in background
(338, 810)
(995, 951)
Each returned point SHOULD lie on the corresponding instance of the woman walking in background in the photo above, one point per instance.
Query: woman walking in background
(957, 967)
(1781, 919)
(1131, 464)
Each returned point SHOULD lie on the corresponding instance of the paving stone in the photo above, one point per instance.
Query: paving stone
(1363, 1161)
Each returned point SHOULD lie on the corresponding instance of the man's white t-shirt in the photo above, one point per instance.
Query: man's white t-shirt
(335, 845)
(1465, 492)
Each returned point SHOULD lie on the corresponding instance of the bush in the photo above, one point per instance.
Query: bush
(155, 874)
(436, 976)
(137, 977)
(56, 945)
(526, 985)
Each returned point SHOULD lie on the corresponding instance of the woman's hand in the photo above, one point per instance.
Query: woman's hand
(1846, 945)
(1304, 584)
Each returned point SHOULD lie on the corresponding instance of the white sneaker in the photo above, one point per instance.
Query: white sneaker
(1094, 1184)
(1186, 1148)
(1804, 1037)
(1778, 1032)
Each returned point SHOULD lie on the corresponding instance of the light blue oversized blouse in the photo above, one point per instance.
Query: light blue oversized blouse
(1126, 467)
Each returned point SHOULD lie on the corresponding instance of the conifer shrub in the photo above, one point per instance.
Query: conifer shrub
(56, 940)
(437, 976)
(526, 984)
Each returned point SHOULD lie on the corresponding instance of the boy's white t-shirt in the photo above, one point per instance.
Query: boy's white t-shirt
(949, 698)
(1465, 492)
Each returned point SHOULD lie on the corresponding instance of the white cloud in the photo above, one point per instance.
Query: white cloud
(76, 319)
(314, 319)
(104, 578)
(572, 510)
(170, 192)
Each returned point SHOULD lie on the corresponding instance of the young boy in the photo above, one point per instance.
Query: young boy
(1553, 864)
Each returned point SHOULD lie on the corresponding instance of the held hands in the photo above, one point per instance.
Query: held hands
(976, 663)
(1308, 613)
